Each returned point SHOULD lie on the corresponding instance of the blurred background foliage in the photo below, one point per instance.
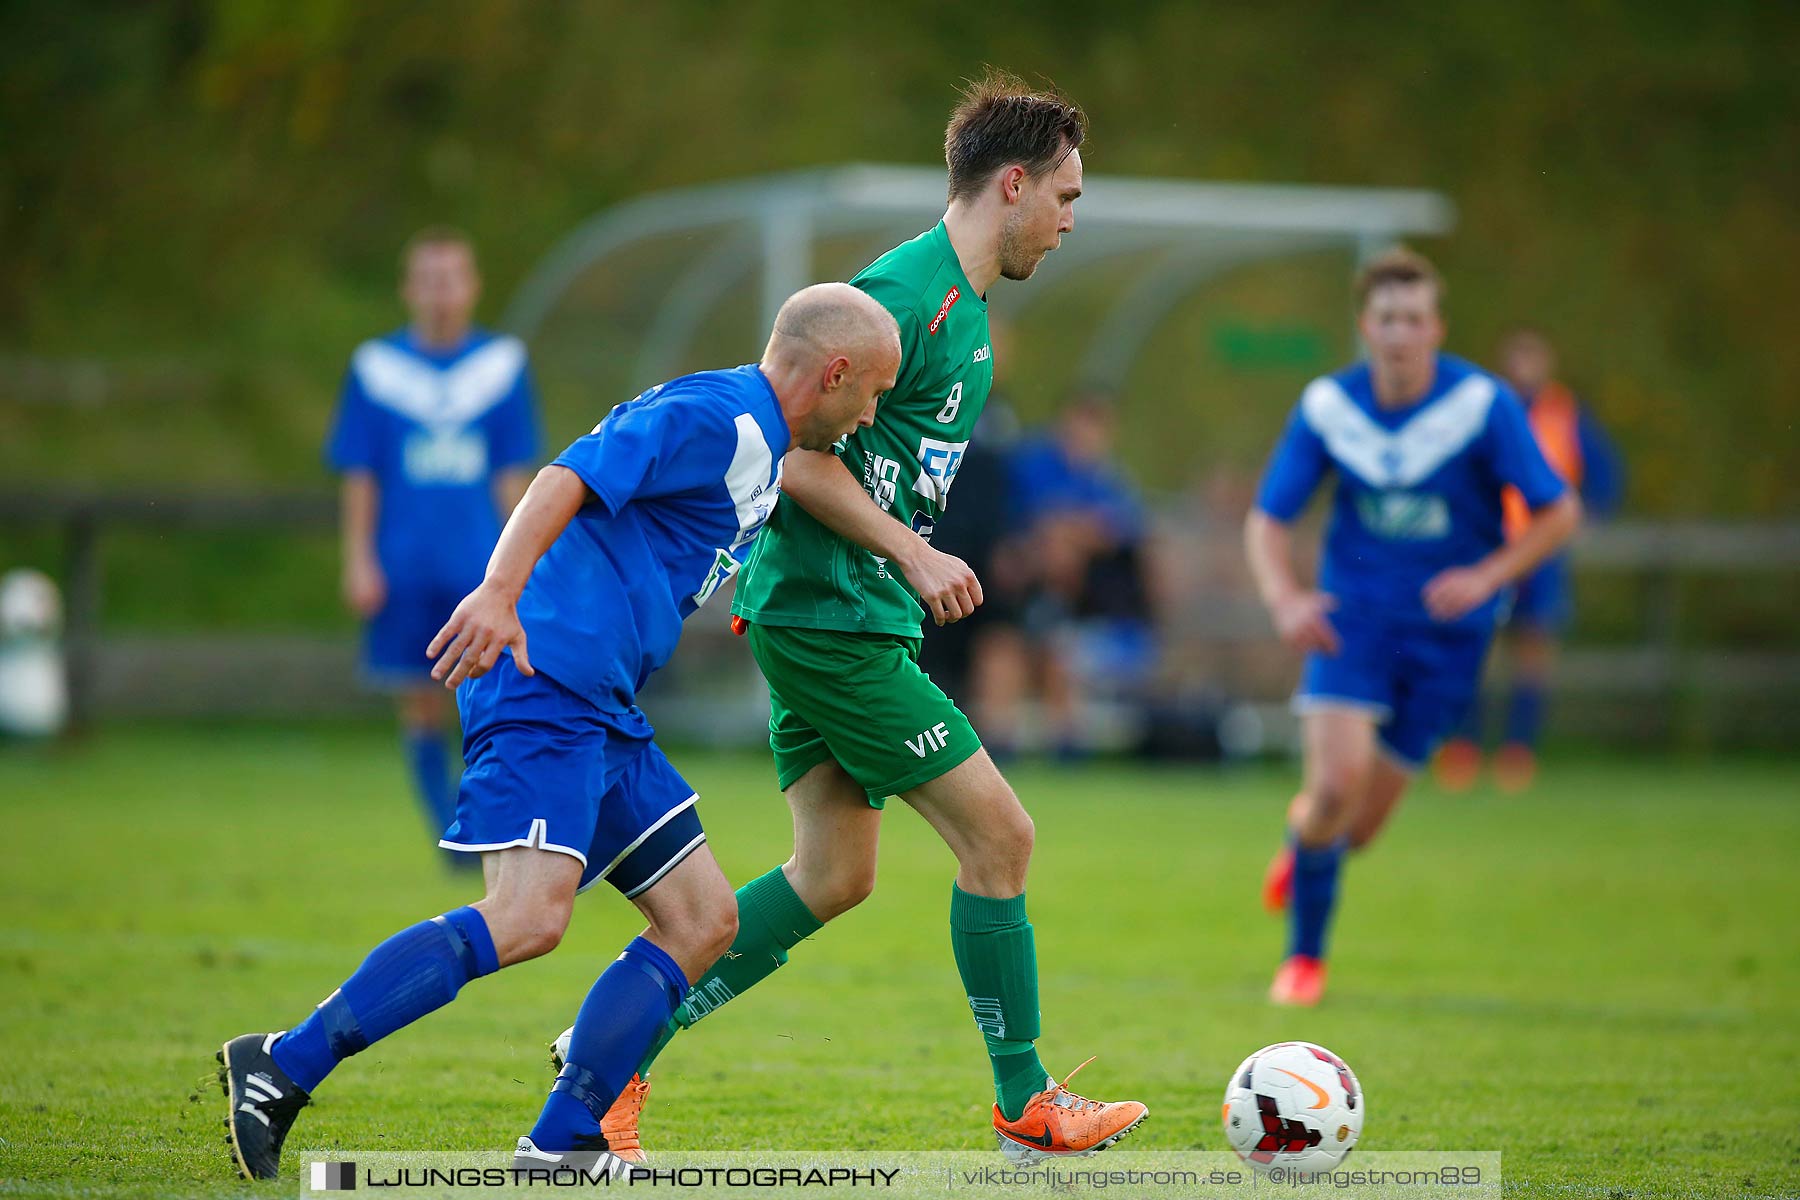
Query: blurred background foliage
(206, 196)
(201, 202)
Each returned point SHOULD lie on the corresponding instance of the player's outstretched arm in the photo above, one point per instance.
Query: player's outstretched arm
(818, 482)
(487, 620)
(1299, 613)
(1460, 590)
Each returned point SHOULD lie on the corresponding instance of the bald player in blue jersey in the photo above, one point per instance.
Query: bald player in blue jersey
(1421, 446)
(629, 531)
(435, 437)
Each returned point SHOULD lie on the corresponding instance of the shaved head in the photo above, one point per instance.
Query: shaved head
(833, 351)
(832, 318)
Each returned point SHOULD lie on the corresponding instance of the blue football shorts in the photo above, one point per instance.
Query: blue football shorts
(547, 769)
(395, 638)
(1418, 682)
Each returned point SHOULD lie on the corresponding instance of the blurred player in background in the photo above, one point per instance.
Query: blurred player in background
(1416, 561)
(1076, 552)
(831, 599)
(435, 437)
(629, 531)
(1579, 451)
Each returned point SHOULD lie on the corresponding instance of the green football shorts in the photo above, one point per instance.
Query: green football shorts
(861, 699)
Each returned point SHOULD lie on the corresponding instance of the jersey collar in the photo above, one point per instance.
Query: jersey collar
(1442, 380)
(441, 355)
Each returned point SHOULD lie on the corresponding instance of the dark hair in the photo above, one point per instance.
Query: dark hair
(1398, 265)
(434, 235)
(1002, 120)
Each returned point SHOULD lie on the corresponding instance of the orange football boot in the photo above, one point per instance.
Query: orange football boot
(1300, 983)
(1458, 765)
(1278, 880)
(620, 1124)
(1057, 1122)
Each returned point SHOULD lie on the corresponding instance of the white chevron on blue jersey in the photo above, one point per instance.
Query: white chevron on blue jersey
(753, 488)
(430, 395)
(1405, 456)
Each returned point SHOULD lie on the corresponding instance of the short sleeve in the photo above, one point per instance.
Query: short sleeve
(1294, 471)
(351, 444)
(660, 446)
(515, 438)
(1515, 454)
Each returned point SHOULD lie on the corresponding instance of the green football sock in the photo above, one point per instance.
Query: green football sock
(997, 956)
(772, 920)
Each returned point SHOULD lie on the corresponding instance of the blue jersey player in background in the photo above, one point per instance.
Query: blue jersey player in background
(1421, 445)
(435, 437)
(630, 530)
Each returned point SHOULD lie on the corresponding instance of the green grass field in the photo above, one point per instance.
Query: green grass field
(1601, 981)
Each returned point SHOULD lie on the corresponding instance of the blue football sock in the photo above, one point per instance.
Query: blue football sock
(428, 759)
(1525, 714)
(1314, 896)
(626, 1008)
(416, 971)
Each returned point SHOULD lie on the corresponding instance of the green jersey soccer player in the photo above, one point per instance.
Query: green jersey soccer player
(833, 597)
(833, 623)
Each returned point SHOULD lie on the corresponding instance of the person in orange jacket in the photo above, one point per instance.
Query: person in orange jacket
(1579, 450)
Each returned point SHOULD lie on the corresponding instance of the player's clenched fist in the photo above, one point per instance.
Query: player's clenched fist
(1301, 621)
(469, 644)
(946, 584)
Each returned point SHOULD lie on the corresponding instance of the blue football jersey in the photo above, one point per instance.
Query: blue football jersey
(682, 478)
(434, 427)
(1418, 488)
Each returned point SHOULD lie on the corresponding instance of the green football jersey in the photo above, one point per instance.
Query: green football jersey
(802, 574)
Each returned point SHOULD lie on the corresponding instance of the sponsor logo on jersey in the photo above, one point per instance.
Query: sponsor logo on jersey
(950, 299)
(1404, 516)
(881, 479)
(445, 457)
(938, 464)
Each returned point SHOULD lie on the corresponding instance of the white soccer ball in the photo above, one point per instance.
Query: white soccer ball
(1293, 1105)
